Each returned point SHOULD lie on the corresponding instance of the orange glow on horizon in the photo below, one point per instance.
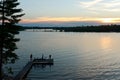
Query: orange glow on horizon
(70, 19)
(58, 19)
(110, 20)
(107, 20)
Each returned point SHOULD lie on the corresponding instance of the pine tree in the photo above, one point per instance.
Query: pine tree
(9, 17)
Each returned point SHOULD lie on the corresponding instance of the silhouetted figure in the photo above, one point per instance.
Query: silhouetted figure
(49, 56)
(42, 56)
(31, 57)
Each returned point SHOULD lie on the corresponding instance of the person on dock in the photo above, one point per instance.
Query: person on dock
(31, 57)
(42, 56)
(49, 56)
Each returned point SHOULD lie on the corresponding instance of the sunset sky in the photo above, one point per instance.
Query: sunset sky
(100, 11)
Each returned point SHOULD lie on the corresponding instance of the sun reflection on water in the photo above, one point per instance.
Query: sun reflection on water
(105, 42)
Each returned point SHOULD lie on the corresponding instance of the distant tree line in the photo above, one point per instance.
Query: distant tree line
(100, 28)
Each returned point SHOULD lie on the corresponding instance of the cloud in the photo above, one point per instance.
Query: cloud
(112, 4)
(101, 5)
(90, 4)
(117, 20)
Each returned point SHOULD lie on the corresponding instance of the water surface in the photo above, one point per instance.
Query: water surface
(77, 56)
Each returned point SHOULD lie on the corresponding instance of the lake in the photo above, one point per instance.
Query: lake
(77, 56)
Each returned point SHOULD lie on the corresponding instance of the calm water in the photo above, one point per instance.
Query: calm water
(77, 56)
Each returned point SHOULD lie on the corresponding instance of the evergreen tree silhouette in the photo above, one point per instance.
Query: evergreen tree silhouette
(9, 17)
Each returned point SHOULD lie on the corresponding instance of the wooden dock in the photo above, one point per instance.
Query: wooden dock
(23, 73)
(43, 61)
